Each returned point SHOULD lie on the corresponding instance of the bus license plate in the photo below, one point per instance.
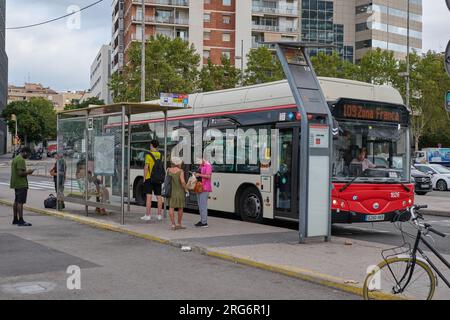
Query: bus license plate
(378, 217)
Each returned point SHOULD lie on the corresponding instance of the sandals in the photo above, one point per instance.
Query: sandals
(173, 227)
(180, 227)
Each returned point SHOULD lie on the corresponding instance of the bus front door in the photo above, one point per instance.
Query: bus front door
(286, 178)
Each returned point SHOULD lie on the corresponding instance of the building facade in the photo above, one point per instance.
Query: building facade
(383, 24)
(100, 75)
(234, 27)
(37, 90)
(3, 78)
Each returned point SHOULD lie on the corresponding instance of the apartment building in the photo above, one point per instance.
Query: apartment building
(37, 90)
(234, 27)
(3, 78)
(383, 24)
(100, 74)
(30, 90)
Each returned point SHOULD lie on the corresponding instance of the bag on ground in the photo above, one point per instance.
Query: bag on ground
(158, 173)
(50, 202)
(166, 189)
(190, 185)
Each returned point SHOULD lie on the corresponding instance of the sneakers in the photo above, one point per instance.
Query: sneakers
(159, 217)
(200, 224)
(146, 218)
(23, 224)
(15, 221)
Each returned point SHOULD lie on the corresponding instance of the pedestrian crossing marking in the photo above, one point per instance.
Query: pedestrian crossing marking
(48, 185)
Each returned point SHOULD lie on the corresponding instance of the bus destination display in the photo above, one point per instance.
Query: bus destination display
(367, 112)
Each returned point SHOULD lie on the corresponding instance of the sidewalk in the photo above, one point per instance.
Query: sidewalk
(437, 206)
(339, 263)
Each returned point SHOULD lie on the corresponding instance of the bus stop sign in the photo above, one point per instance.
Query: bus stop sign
(315, 141)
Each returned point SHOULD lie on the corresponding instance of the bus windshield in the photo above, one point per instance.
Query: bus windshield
(371, 151)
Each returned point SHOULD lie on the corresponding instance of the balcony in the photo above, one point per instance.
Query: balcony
(261, 27)
(256, 45)
(162, 20)
(176, 3)
(289, 11)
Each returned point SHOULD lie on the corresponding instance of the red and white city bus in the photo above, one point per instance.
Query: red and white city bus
(365, 115)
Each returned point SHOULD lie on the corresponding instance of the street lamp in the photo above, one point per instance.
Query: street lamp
(241, 57)
(407, 57)
(143, 53)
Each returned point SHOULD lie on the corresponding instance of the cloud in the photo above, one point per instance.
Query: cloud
(54, 54)
(436, 25)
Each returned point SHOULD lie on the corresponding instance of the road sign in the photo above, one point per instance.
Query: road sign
(447, 59)
(447, 101)
(174, 100)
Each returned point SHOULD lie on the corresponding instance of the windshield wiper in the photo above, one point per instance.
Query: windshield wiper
(351, 181)
(403, 185)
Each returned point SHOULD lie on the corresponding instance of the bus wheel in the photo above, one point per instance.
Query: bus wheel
(251, 206)
(139, 193)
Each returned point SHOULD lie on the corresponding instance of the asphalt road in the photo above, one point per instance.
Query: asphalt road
(379, 232)
(34, 264)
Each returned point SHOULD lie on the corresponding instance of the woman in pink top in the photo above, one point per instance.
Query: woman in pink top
(205, 172)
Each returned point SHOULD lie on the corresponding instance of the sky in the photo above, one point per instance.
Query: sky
(59, 54)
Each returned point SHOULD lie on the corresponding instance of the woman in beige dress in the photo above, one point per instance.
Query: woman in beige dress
(178, 193)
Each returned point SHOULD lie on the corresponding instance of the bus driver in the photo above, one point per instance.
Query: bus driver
(362, 160)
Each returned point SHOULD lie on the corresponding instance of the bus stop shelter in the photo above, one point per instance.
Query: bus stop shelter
(95, 143)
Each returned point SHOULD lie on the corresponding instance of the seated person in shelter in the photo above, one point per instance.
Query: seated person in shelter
(362, 160)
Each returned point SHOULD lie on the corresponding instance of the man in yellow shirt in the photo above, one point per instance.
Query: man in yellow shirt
(152, 187)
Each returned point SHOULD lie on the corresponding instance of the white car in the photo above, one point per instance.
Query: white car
(440, 175)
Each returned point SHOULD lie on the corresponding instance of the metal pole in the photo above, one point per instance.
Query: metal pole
(407, 59)
(242, 62)
(129, 162)
(122, 180)
(165, 155)
(143, 54)
(57, 166)
(86, 170)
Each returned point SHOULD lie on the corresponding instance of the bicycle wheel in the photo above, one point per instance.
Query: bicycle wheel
(387, 280)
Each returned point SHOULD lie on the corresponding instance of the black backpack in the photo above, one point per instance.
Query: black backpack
(50, 202)
(158, 173)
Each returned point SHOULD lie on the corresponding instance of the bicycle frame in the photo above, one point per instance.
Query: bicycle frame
(410, 270)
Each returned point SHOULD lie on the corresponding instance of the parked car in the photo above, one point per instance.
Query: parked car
(440, 175)
(422, 182)
(51, 150)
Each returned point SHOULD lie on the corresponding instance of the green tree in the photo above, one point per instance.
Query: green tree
(326, 65)
(262, 66)
(428, 84)
(84, 104)
(171, 65)
(36, 119)
(378, 67)
(217, 77)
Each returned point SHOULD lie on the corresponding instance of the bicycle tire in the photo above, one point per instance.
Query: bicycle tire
(386, 266)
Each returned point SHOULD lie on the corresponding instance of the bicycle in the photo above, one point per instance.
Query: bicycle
(405, 275)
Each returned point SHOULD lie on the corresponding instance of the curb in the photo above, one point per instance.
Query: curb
(298, 273)
(435, 213)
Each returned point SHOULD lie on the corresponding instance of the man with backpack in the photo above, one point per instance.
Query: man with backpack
(154, 175)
